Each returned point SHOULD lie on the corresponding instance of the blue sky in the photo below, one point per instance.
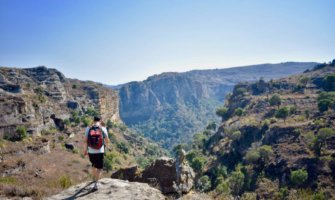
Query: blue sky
(116, 41)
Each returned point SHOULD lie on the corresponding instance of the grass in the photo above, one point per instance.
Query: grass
(65, 181)
(8, 180)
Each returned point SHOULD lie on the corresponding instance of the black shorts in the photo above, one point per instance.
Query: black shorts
(97, 160)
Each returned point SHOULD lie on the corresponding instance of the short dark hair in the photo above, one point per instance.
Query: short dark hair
(97, 119)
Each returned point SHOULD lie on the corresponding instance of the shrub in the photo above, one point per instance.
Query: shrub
(50, 131)
(223, 188)
(108, 161)
(74, 86)
(87, 121)
(204, 183)
(60, 138)
(67, 122)
(326, 100)
(211, 126)
(65, 181)
(321, 137)
(319, 196)
(239, 112)
(307, 113)
(123, 147)
(298, 177)
(91, 112)
(236, 182)
(329, 81)
(110, 124)
(252, 156)
(282, 113)
(222, 112)
(235, 135)
(304, 80)
(265, 151)
(275, 100)
(19, 135)
(198, 163)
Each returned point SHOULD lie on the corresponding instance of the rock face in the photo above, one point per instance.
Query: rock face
(38, 98)
(153, 106)
(111, 189)
(162, 174)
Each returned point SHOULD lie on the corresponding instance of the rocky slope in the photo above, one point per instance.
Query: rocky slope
(276, 140)
(37, 97)
(171, 107)
(42, 122)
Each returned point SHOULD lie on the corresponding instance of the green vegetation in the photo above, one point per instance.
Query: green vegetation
(239, 112)
(19, 135)
(51, 131)
(282, 113)
(87, 121)
(198, 163)
(275, 100)
(204, 184)
(326, 100)
(8, 180)
(223, 113)
(65, 181)
(236, 182)
(123, 147)
(322, 136)
(329, 82)
(298, 177)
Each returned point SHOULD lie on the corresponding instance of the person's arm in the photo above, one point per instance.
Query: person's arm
(106, 137)
(85, 143)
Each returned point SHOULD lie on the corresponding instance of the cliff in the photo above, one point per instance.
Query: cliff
(171, 107)
(35, 97)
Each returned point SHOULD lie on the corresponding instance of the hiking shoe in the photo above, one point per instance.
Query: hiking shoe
(95, 187)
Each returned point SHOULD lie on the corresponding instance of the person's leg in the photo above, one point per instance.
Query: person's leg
(94, 173)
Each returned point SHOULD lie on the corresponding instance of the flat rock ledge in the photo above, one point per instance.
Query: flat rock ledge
(110, 189)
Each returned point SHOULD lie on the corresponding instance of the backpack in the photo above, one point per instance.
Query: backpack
(95, 137)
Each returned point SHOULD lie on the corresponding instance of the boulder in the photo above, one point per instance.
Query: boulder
(69, 146)
(110, 189)
(163, 174)
(72, 105)
(130, 174)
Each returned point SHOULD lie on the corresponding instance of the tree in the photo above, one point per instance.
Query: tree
(282, 113)
(298, 177)
(198, 163)
(275, 100)
(222, 112)
(322, 136)
(236, 182)
(329, 82)
(326, 100)
(239, 111)
(252, 156)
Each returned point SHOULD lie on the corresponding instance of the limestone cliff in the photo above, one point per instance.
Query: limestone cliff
(37, 97)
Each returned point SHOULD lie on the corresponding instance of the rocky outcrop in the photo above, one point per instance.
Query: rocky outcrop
(40, 98)
(110, 189)
(163, 174)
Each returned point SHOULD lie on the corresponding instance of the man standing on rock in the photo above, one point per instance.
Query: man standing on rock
(96, 138)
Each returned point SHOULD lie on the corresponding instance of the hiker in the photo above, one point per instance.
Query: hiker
(96, 138)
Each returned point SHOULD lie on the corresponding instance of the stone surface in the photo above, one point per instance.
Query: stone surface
(162, 174)
(111, 189)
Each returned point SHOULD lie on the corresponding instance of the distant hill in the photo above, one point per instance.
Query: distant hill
(171, 107)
